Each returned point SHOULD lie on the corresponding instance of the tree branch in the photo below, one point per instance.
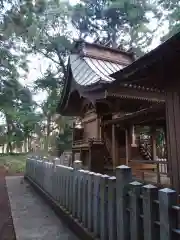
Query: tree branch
(46, 55)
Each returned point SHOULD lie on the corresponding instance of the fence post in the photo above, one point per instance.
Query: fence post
(71, 190)
(123, 178)
(96, 210)
(67, 188)
(85, 195)
(90, 200)
(167, 198)
(80, 195)
(103, 207)
(112, 208)
(150, 193)
(135, 226)
(77, 166)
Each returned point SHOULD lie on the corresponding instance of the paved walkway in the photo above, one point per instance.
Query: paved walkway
(33, 219)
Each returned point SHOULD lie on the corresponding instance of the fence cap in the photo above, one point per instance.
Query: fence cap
(39, 161)
(167, 190)
(98, 174)
(122, 167)
(105, 176)
(77, 161)
(91, 173)
(112, 178)
(149, 186)
(136, 183)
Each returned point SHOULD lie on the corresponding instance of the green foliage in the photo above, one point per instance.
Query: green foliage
(64, 139)
(13, 164)
(172, 16)
(118, 22)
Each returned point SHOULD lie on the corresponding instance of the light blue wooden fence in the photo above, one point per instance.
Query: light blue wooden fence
(112, 208)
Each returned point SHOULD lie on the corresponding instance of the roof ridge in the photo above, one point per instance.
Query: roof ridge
(98, 45)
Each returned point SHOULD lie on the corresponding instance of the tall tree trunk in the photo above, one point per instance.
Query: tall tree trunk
(29, 143)
(9, 144)
(48, 132)
(9, 147)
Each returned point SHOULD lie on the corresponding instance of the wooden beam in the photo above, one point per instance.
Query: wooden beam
(138, 115)
(136, 92)
(153, 142)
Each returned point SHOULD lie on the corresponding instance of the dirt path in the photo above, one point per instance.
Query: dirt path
(6, 223)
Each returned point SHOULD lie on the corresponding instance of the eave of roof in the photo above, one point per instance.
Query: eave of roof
(163, 52)
(158, 109)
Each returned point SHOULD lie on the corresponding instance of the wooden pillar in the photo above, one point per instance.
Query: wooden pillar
(98, 128)
(73, 158)
(128, 145)
(73, 132)
(173, 136)
(90, 158)
(153, 142)
(114, 146)
(80, 155)
(133, 137)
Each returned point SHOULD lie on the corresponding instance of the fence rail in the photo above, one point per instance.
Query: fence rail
(111, 208)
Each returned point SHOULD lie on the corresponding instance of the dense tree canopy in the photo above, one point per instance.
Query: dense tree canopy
(47, 28)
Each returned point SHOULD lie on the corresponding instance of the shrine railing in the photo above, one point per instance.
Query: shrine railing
(87, 141)
(159, 168)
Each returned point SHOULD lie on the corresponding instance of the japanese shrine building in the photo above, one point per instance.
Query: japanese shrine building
(112, 95)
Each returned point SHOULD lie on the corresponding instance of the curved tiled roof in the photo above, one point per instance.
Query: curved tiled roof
(87, 70)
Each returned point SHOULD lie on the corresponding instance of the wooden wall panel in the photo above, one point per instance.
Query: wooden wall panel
(91, 129)
(173, 136)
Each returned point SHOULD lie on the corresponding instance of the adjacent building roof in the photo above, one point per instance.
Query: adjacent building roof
(90, 67)
(154, 68)
(88, 70)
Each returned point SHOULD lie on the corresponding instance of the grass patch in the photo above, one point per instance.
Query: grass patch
(13, 163)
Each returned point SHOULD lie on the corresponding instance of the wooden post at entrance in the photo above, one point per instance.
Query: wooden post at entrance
(114, 147)
(133, 137)
(173, 136)
(98, 128)
(153, 142)
(128, 145)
